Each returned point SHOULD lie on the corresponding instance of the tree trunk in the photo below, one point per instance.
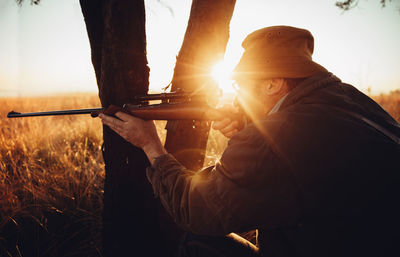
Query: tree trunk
(116, 31)
(204, 44)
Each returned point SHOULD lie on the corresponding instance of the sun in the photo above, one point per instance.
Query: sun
(222, 73)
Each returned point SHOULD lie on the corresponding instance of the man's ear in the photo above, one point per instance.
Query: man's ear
(274, 86)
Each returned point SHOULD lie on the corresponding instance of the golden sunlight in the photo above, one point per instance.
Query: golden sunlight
(222, 73)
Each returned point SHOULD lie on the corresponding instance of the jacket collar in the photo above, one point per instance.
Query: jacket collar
(306, 87)
(278, 105)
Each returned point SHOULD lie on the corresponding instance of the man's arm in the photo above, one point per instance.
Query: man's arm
(248, 188)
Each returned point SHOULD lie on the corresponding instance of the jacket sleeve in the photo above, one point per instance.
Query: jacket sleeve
(246, 189)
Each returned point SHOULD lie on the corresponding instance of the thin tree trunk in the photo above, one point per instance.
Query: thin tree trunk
(204, 44)
(116, 31)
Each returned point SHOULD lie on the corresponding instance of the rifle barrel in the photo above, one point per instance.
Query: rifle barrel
(14, 114)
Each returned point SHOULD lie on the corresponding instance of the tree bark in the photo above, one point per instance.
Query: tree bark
(204, 44)
(116, 31)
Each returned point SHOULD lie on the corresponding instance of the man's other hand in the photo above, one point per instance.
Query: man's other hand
(227, 126)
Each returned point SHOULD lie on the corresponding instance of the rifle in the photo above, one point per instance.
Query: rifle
(177, 105)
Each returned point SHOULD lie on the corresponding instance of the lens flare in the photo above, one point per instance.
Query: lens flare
(222, 73)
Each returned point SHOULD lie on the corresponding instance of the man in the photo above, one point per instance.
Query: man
(316, 171)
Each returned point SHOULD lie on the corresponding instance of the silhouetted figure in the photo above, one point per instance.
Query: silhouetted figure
(316, 170)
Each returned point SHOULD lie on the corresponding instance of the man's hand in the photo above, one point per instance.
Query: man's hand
(138, 132)
(227, 126)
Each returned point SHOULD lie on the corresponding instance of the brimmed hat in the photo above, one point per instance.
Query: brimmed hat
(277, 52)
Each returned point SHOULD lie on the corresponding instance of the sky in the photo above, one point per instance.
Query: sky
(45, 50)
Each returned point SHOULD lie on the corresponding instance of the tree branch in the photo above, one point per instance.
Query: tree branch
(36, 2)
(349, 4)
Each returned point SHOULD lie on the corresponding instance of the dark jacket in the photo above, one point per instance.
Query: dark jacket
(314, 178)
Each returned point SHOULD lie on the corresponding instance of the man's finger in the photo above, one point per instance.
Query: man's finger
(232, 126)
(110, 121)
(124, 116)
(116, 129)
(221, 124)
(112, 126)
(231, 133)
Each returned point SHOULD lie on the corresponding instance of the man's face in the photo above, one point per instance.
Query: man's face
(252, 97)
(257, 97)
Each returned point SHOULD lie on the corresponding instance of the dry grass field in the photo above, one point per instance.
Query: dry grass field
(391, 103)
(51, 173)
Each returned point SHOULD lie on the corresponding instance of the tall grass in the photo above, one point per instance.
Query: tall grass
(51, 173)
(390, 102)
